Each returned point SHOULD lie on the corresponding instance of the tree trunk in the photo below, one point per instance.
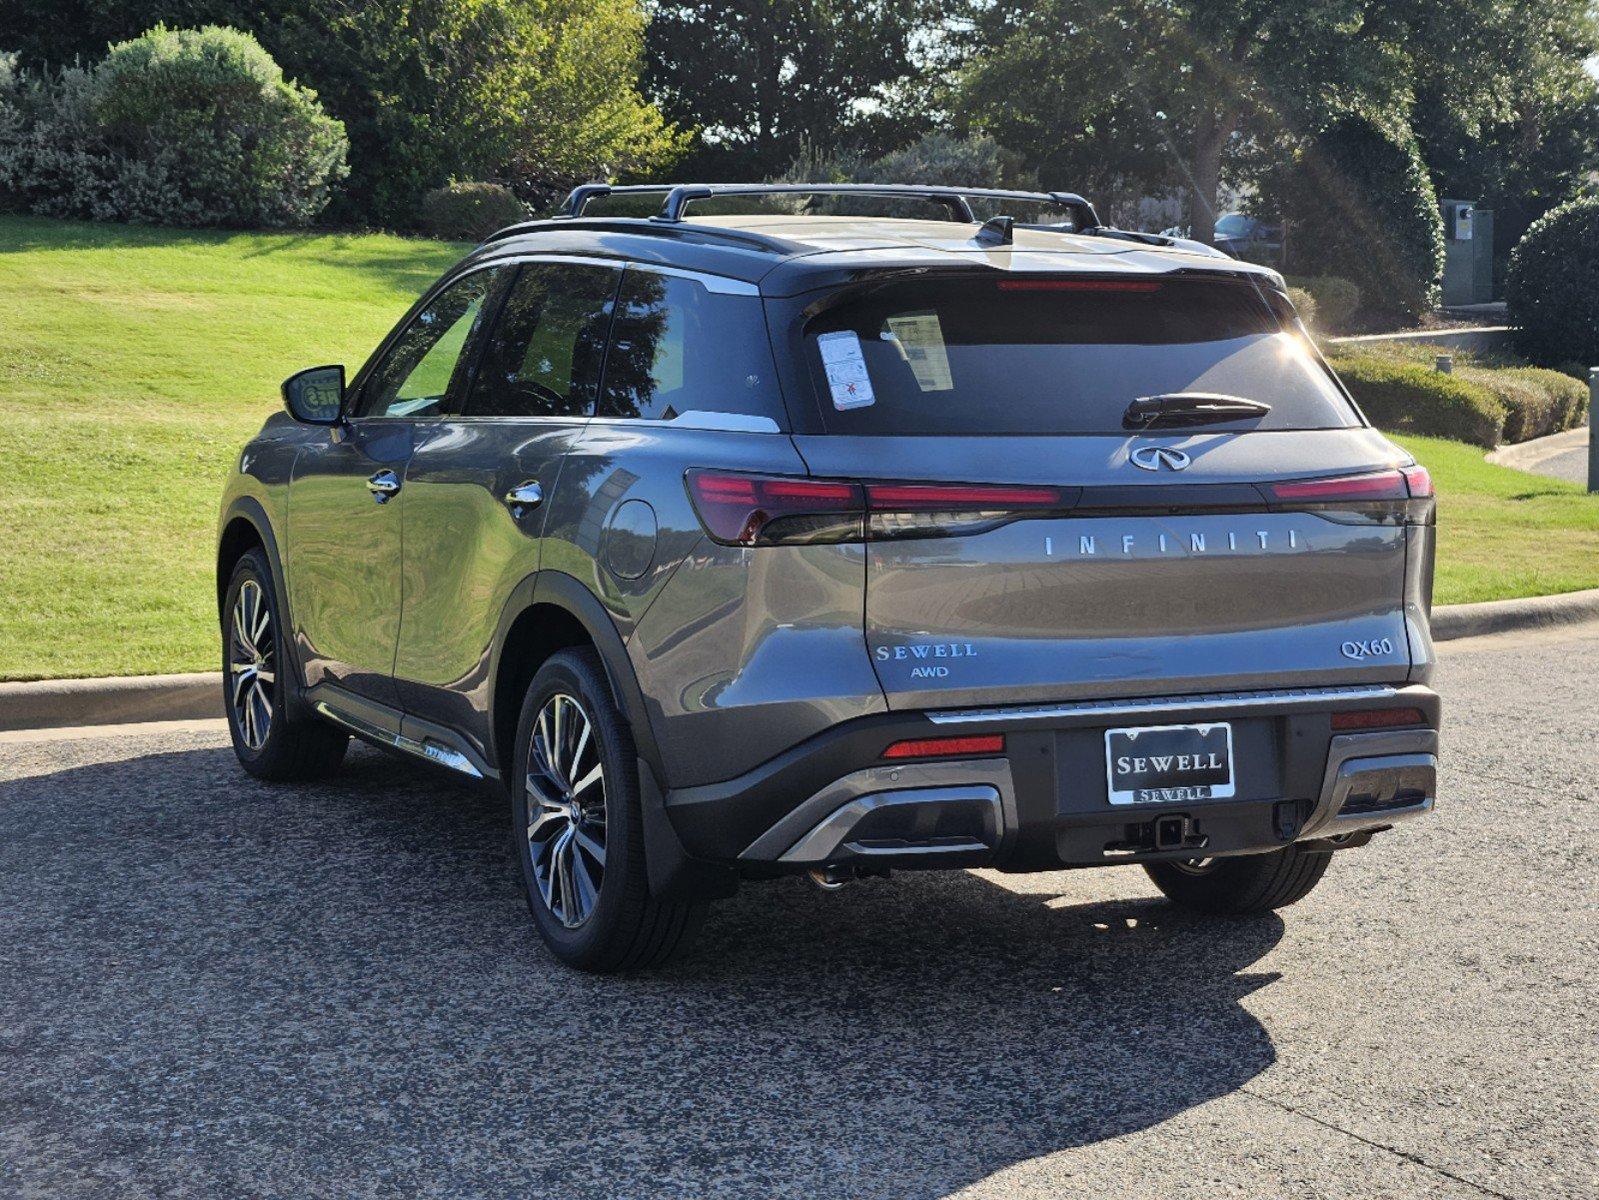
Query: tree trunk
(1210, 139)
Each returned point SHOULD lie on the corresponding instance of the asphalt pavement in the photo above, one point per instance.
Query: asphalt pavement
(212, 987)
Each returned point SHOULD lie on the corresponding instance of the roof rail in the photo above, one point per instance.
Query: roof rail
(680, 195)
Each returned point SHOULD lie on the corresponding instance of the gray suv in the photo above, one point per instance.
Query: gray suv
(780, 537)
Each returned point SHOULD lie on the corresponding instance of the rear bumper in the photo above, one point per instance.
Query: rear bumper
(1042, 804)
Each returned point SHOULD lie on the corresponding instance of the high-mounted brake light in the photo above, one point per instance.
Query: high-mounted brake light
(1079, 285)
(1376, 485)
(948, 747)
(1378, 718)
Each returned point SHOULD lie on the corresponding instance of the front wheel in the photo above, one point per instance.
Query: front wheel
(1251, 883)
(269, 740)
(577, 828)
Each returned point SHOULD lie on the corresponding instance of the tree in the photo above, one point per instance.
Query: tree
(1157, 94)
(536, 93)
(762, 79)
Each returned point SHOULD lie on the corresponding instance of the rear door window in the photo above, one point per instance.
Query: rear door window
(543, 357)
(1056, 356)
(677, 347)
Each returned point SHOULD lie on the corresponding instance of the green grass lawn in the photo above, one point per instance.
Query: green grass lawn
(135, 362)
(133, 365)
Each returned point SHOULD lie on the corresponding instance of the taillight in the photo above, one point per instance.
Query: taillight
(1375, 485)
(753, 510)
(1377, 718)
(763, 510)
(1418, 479)
(948, 747)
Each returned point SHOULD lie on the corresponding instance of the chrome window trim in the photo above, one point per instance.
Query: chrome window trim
(1152, 705)
(697, 419)
(721, 285)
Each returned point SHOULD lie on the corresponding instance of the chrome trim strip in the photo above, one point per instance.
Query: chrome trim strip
(719, 284)
(1288, 697)
(831, 836)
(885, 777)
(431, 751)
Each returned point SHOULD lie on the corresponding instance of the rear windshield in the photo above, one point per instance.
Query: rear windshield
(1036, 355)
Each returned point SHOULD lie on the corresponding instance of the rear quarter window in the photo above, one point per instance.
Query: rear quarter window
(1038, 355)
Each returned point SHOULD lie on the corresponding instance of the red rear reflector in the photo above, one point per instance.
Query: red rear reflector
(1378, 485)
(946, 747)
(736, 508)
(1418, 479)
(1079, 285)
(922, 497)
(1378, 718)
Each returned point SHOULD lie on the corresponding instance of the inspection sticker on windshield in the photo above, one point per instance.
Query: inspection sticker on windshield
(921, 340)
(846, 370)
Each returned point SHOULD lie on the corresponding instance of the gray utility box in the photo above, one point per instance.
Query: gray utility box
(1468, 253)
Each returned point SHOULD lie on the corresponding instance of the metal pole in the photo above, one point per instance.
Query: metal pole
(1593, 424)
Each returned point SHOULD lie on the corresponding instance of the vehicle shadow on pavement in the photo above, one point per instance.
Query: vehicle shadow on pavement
(215, 986)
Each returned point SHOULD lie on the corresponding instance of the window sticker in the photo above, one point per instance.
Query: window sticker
(846, 370)
(921, 340)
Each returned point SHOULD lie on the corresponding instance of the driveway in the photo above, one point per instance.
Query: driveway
(214, 987)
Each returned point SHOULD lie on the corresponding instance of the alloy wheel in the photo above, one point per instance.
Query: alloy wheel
(566, 810)
(252, 664)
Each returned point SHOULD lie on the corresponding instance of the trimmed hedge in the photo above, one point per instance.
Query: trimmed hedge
(1407, 397)
(1360, 205)
(1335, 299)
(1553, 286)
(1539, 401)
(469, 212)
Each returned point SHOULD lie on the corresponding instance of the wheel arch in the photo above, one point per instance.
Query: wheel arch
(548, 612)
(245, 526)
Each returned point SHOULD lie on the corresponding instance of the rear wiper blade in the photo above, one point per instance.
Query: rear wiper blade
(1190, 408)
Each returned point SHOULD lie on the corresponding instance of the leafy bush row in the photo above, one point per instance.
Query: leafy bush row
(184, 127)
(469, 212)
(1400, 389)
(1407, 397)
(1335, 299)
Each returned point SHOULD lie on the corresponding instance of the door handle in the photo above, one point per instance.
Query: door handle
(525, 495)
(383, 485)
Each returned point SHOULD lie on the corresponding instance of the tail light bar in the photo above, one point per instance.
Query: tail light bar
(741, 509)
(761, 510)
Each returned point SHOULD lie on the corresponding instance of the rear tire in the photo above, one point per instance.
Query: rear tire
(270, 740)
(1251, 883)
(577, 828)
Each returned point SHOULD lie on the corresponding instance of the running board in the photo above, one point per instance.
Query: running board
(434, 745)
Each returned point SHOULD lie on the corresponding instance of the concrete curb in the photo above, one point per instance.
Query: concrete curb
(1526, 456)
(1505, 616)
(55, 703)
(52, 703)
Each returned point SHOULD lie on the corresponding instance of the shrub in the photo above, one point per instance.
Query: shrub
(1359, 205)
(1409, 397)
(1553, 285)
(469, 212)
(177, 127)
(1305, 305)
(1540, 402)
(1336, 299)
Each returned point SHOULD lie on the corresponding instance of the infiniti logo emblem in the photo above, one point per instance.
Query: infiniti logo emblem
(1152, 458)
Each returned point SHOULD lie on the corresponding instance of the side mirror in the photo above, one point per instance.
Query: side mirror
(315, 396)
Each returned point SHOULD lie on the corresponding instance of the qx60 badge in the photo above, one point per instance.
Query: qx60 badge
(1153, 458)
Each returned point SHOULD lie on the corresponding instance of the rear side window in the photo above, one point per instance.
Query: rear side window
(1040, 355)
(543, 357)
(678, 347)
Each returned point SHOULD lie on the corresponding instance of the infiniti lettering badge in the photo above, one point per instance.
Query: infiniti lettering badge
(1153, 458)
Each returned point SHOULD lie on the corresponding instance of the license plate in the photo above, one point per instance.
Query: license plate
(1167, 764)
